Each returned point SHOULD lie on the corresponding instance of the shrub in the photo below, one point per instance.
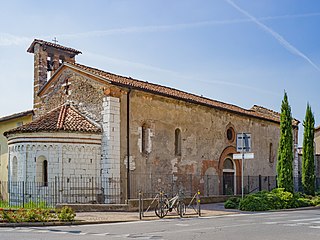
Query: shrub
(316, 201)
(66, 214)
(37, 215)
(283, 199)
(8, 216)
(26, 215)
(276, 199)
(232, 203)
(255, 202)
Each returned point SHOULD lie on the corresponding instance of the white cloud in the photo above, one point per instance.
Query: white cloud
(172, 27)
(7, 39)
(276, 35)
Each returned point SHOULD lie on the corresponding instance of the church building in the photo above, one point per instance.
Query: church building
(101, 137)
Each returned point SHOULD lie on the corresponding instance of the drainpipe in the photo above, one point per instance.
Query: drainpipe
(128, 144)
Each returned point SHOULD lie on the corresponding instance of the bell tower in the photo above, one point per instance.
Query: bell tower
(48, 57)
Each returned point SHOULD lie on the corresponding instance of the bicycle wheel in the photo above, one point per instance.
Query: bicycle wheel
(181, 208)
(161, 209)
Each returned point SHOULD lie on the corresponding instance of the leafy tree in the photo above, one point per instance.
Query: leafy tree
(285, 150)
(308, 166)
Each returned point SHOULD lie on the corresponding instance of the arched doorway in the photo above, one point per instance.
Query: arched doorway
(229, 180)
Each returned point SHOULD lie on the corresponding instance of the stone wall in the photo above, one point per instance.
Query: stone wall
(153, 122)
(71, 159)
(86, 94)
(204, 142)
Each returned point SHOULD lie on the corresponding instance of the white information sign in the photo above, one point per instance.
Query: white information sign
(245, 155)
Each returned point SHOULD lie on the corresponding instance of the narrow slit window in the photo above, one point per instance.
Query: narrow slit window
(271, 160)
(45, 173)
(177, 142)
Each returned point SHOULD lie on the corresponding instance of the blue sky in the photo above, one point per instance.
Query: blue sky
(236, 51)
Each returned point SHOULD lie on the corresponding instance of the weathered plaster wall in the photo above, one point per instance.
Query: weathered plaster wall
(86, 94)
(317, 141)
(5, 126)
(203, 141)
(203, 132)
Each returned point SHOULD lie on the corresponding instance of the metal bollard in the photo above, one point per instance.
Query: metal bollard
(198, 203)
(140, 205)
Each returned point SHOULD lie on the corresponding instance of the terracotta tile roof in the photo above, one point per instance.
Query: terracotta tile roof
(269, 112)
(129, 82)
(16, 115)
(42, 42)
(64, 118)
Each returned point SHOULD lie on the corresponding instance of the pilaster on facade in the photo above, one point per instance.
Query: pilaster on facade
(110, 162)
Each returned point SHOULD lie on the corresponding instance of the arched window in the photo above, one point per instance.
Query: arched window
(177, 142)
(144, 138)
(228, 164)
(42, 171)
(61, 60)
(45, 173)
(230, 134)
(14, 169)
(271, 160)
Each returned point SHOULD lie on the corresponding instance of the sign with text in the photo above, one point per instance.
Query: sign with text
(245, 156)
(244, 142)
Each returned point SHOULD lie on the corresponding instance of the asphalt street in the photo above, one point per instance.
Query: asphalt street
(286, 225)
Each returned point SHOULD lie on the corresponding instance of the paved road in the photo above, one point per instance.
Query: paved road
(289, 225)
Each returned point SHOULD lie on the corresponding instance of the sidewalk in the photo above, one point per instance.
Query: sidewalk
(215, 209)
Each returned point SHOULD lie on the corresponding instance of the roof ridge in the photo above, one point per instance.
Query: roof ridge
(16, 115)
(62, 116)
(171, 92)
(31, 47)
(59, 119)
(155, 84)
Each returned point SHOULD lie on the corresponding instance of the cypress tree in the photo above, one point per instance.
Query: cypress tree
(308, 166)
(285, 150)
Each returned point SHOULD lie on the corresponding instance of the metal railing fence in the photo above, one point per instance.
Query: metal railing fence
(97, 190)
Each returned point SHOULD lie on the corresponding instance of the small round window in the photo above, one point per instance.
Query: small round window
(230, 134)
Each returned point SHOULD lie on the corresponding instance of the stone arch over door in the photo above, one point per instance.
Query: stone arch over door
(227, 153)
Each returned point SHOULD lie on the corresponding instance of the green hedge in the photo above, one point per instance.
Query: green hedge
(66, 214)
(276, 199)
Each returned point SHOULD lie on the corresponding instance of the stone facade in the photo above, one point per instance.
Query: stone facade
(152, 137)
(68, 157)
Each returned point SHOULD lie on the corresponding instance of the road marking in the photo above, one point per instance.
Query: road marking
(317, 227)
(183, 224)
(304, 220)
(290, 224)
(7, 230)
(99, 234)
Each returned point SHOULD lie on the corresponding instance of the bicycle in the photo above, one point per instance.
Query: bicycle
(166, 205)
